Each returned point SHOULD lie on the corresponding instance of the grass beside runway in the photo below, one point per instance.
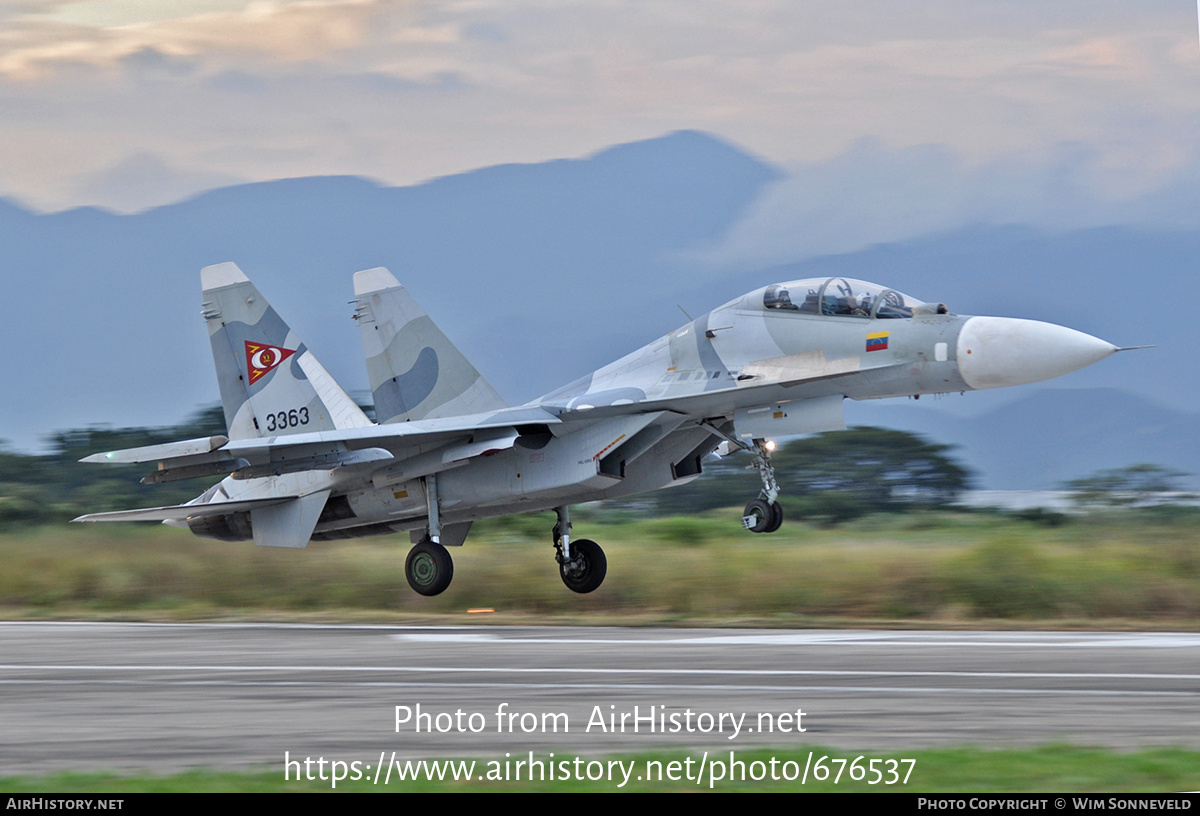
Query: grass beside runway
(1054, 769)
(1120, 570)
(1131, 569)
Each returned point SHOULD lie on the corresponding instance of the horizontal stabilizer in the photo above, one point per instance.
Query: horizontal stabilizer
(183, 512)
(158, 453)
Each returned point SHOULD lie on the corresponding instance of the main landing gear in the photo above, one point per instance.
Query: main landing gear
(429, 567)
(763, 515)
(581, 563)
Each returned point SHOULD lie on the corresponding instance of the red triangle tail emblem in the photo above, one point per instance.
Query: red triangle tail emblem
(261, 358)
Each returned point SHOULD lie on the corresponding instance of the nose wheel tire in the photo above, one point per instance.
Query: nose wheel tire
(761, 516)
(587, 567)
(776, 517)
(428, 568)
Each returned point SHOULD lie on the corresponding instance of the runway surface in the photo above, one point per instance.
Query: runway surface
(164, 697)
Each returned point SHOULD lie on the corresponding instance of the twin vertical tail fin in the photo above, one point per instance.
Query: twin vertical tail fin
(271, 384)
(415, 371)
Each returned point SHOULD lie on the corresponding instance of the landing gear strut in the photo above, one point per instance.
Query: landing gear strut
(763, 515)
(429, 567)
(581, 563)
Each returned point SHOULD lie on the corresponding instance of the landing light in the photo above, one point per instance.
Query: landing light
(770, 445)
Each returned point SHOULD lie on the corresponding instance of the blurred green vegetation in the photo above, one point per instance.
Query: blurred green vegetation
(828, 479)
(1143, 485)
(1053, 768)
(56, 487)
(868, 538)
(935, 566)
(831, 477)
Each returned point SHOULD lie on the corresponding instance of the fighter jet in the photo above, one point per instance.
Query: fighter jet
(304, 463)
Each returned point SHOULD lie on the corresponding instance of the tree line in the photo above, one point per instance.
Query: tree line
(56, 486)
(828, 478)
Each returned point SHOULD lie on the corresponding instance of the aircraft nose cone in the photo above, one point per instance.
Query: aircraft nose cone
(999, 351)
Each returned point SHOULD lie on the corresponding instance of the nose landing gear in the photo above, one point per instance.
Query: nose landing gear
(761, 516)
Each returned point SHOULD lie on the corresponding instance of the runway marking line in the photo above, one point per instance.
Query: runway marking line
(438, 685)
(598, 670)
(455, 633)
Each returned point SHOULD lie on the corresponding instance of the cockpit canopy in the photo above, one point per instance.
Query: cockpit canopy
(840, 296)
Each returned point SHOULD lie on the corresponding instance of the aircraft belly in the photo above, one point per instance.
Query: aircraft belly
(388, 503)
(519, 474)
(566, 470)
(287, 484)
(519, 478)
(656, 468)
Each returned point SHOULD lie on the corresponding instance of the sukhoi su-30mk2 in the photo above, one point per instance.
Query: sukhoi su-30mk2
(304, 463)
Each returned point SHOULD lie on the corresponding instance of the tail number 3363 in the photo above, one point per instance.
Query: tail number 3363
(287, 419)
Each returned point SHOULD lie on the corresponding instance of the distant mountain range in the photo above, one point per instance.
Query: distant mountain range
(544, 272)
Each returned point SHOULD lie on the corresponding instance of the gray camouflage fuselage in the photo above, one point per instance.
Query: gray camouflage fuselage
(307, 463)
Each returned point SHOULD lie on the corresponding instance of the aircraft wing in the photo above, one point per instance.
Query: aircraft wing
(453, 439)
(419, 447)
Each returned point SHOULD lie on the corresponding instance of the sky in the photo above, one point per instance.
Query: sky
(891, 119)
